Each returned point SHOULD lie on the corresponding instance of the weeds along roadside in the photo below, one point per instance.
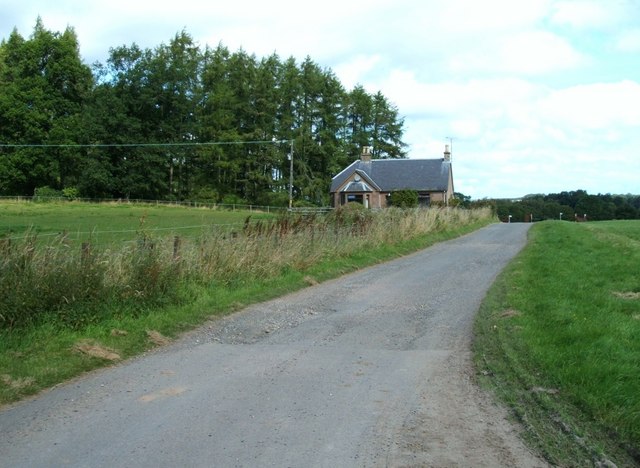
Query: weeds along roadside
(558, 339)
(74, 285)
(68, 291)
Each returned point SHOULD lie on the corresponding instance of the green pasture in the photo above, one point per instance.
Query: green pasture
(107, 223)
(558, 338)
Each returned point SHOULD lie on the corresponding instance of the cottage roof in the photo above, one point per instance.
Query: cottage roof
(398, 174)
(357, 187)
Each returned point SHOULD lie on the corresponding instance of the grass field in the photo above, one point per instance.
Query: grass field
(558, 338)
(112, 222)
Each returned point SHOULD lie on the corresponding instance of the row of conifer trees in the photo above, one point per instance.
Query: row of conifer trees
(179, 121)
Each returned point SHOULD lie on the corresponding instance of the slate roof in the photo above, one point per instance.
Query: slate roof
(428, 175)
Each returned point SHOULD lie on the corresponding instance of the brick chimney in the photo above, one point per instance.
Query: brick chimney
(447, 153)
(366, 154)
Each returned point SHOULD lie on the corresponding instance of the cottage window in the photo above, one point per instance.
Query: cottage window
(353, 197)
(424, 199)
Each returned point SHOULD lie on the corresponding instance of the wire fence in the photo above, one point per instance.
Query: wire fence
(113, 237)
(68, 235)
(140, 201)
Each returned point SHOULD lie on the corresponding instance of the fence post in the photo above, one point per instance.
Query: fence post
(176, 248)
(5, 244)
(86, 252)
(65, 239)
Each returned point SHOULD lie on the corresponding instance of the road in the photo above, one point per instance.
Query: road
(372, 369)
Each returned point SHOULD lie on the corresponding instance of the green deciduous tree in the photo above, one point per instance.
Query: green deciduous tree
(44, 88)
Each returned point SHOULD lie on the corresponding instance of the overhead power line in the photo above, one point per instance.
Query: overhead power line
(130, 145)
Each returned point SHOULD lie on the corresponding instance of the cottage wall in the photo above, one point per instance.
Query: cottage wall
(437, 196)
(375, 200)
(379, 199)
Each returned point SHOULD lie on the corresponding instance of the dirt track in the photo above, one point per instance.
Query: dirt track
(372, 369)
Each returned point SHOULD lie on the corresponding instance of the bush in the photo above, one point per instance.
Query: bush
(233, 199)
(71, 193)
(404, 198)
(353, 215)
(45, 193)
(455, 203)
(206, 195)
(349, 211)
(306, 204)
(274, 199)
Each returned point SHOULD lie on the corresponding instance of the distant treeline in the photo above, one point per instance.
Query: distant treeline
(575, 205)
(179, 121)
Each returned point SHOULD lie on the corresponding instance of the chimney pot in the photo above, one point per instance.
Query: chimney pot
(366, 153)
(447, 153)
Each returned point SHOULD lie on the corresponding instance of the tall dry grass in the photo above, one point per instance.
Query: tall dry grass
(75, 285)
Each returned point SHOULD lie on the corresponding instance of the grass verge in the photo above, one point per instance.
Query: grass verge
(36, 357)
(558, 340)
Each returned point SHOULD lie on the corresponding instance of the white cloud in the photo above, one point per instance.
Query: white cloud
(538, 52)
(454, 99)
(467, 129)
(595, 107)
(585, 14)
(523, 53)
(463, 17)
(355, 70)
(629, 41)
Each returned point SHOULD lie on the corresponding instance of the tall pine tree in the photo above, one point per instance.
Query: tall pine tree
(178, 122)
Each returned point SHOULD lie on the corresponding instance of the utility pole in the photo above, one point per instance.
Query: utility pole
(291, 176)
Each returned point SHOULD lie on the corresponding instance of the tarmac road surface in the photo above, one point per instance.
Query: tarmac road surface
(372, 369)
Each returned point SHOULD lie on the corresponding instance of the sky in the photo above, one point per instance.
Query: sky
(534, 96)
